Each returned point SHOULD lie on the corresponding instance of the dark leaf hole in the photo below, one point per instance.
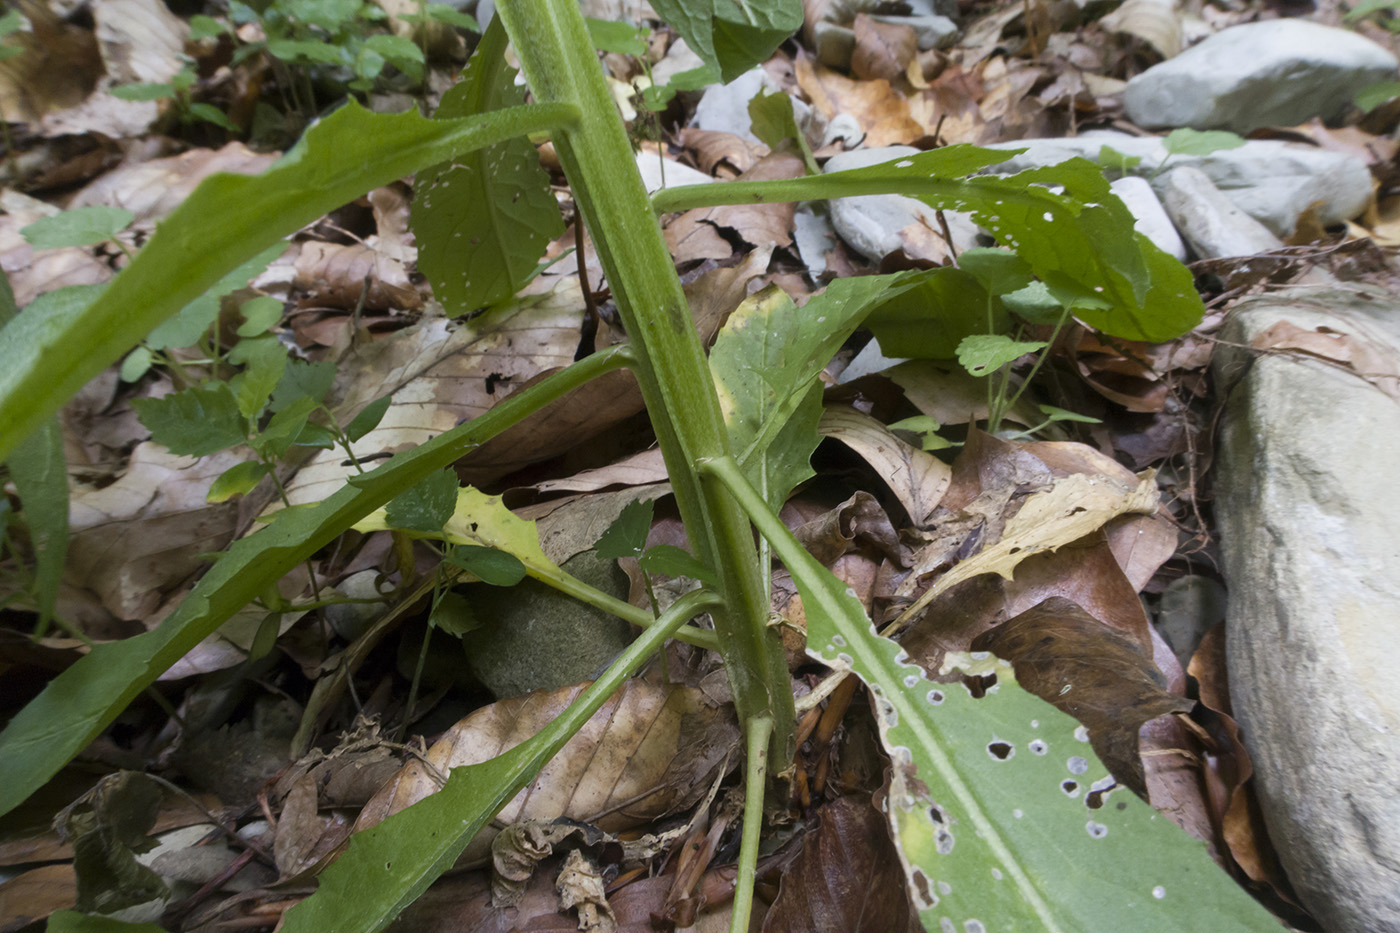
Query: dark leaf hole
(1000, 750)
(1069, 787)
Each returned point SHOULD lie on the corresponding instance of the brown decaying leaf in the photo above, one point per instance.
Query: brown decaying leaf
(1141, 544)
(153, 189)
(848, 877)
(650, 750)
(883, 50)
(1374, 364)
(713, 149)
(354, 275)
(32, 895)
(137, 539)
(692, 235)
(304, 839)
(1095, 674)
(917, 478)
(882, 112)
(574, 524)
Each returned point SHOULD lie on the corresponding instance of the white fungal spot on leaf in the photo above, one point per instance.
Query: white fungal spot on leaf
(1081, 733)
(1077, 764)
(935, 697)
(1096, 830)
(1038, 747)
(1159, 892)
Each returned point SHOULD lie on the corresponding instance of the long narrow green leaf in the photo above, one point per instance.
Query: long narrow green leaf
(229, 219)
(408, 851)
(1004, 817)
(40, 474)
(1062, 219)
(78, 704)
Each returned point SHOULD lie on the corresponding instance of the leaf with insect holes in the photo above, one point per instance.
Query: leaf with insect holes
(627, 535)
(82, 226)
(483, 219)
(981, 354)
(426, 506)
(195, 422)
(487, 564)
(1003, 816)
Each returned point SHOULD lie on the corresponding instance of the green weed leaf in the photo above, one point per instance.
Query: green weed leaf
(1034, 304)
(45, 359)
(1186, 141)
(453, 614)
(774, 122)
(205, 27)
(487, 564)
(143, 91)
(627, 535)
(137, 363)
(368, 419)
(82, 226)
(265, 359)
(931, 318)
(732, 36)
(998, 271)
(285, 428)
(983, 354)
(303, 380)
(193, 321)
(259, 315)
(237, 480)
(427, 506)
(611, 36)
(484, 219)
(1373, 95)
(195, 422)
(675, 562)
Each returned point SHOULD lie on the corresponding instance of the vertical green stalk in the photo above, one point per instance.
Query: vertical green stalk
(552, 43)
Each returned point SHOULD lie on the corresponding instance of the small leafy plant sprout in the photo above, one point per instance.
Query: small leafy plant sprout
(1003, 816)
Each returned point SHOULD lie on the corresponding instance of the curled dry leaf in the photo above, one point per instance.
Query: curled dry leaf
(693, 234)
(650, 750)
(352, 275)
(883, 50)
(1370, 362)
(917, 478)
(304, 839)
(848, 877)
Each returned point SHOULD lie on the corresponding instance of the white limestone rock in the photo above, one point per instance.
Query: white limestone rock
(1308, 512)
(871, 224)
(1269, 180)
(1209, 221)
(1274, 73)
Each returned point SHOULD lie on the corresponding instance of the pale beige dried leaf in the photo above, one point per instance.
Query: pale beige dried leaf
(917, 478)
(1154, 22)
(637, 470)
(650, 750)
(713, 148)
(351, 275)
(883, 50)
(1072, 507)
(1354, 351)
(140, 537)
(229, 646)
(153, 189)
(395, 239)
(581, 888)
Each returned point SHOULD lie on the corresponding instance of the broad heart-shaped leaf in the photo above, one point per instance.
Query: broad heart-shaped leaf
(45, 359)
(732, 35)
(1075, 235)
(79, 703)
(929, 320)
(483, 219)
(765, 364)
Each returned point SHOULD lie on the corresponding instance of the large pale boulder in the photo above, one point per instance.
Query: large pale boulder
(1309, 517)
(1214, 226)
(1275, 73)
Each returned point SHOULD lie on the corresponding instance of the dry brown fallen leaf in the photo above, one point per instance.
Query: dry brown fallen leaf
(650, 750)
(354, 275)
(882, 112)
(1375, 365)
(848, 877)
(883, 50)
(693, 235)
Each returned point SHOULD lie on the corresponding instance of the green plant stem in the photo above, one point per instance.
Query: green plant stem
(807, 188)
(1039, 360)
(758, 732)
(571, 585)
(562, 68)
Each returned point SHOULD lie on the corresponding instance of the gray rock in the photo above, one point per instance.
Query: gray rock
(1150, 219)
(1308, 516)
(870, 224)
(725, 107)
(1271, 181)
(1208, 220)
(1191, 606)
(1275, 73)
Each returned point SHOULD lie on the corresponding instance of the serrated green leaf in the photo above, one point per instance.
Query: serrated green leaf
(454, 615)
(483, 220)
(303, 380)
(264, 359)
(675, 562)
(82, 226)
(143, 91)
(482, 520)
(400, 51)
(1034, 304)
(237, 480)
(627, 535)
(998, 271)
(195, 422)
(43, 362)
(982, 354)
(451, 16)
(487, 564)
(368, 419)
(1186, 141)
(426, 507)
(259, 315)
(284, 429)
